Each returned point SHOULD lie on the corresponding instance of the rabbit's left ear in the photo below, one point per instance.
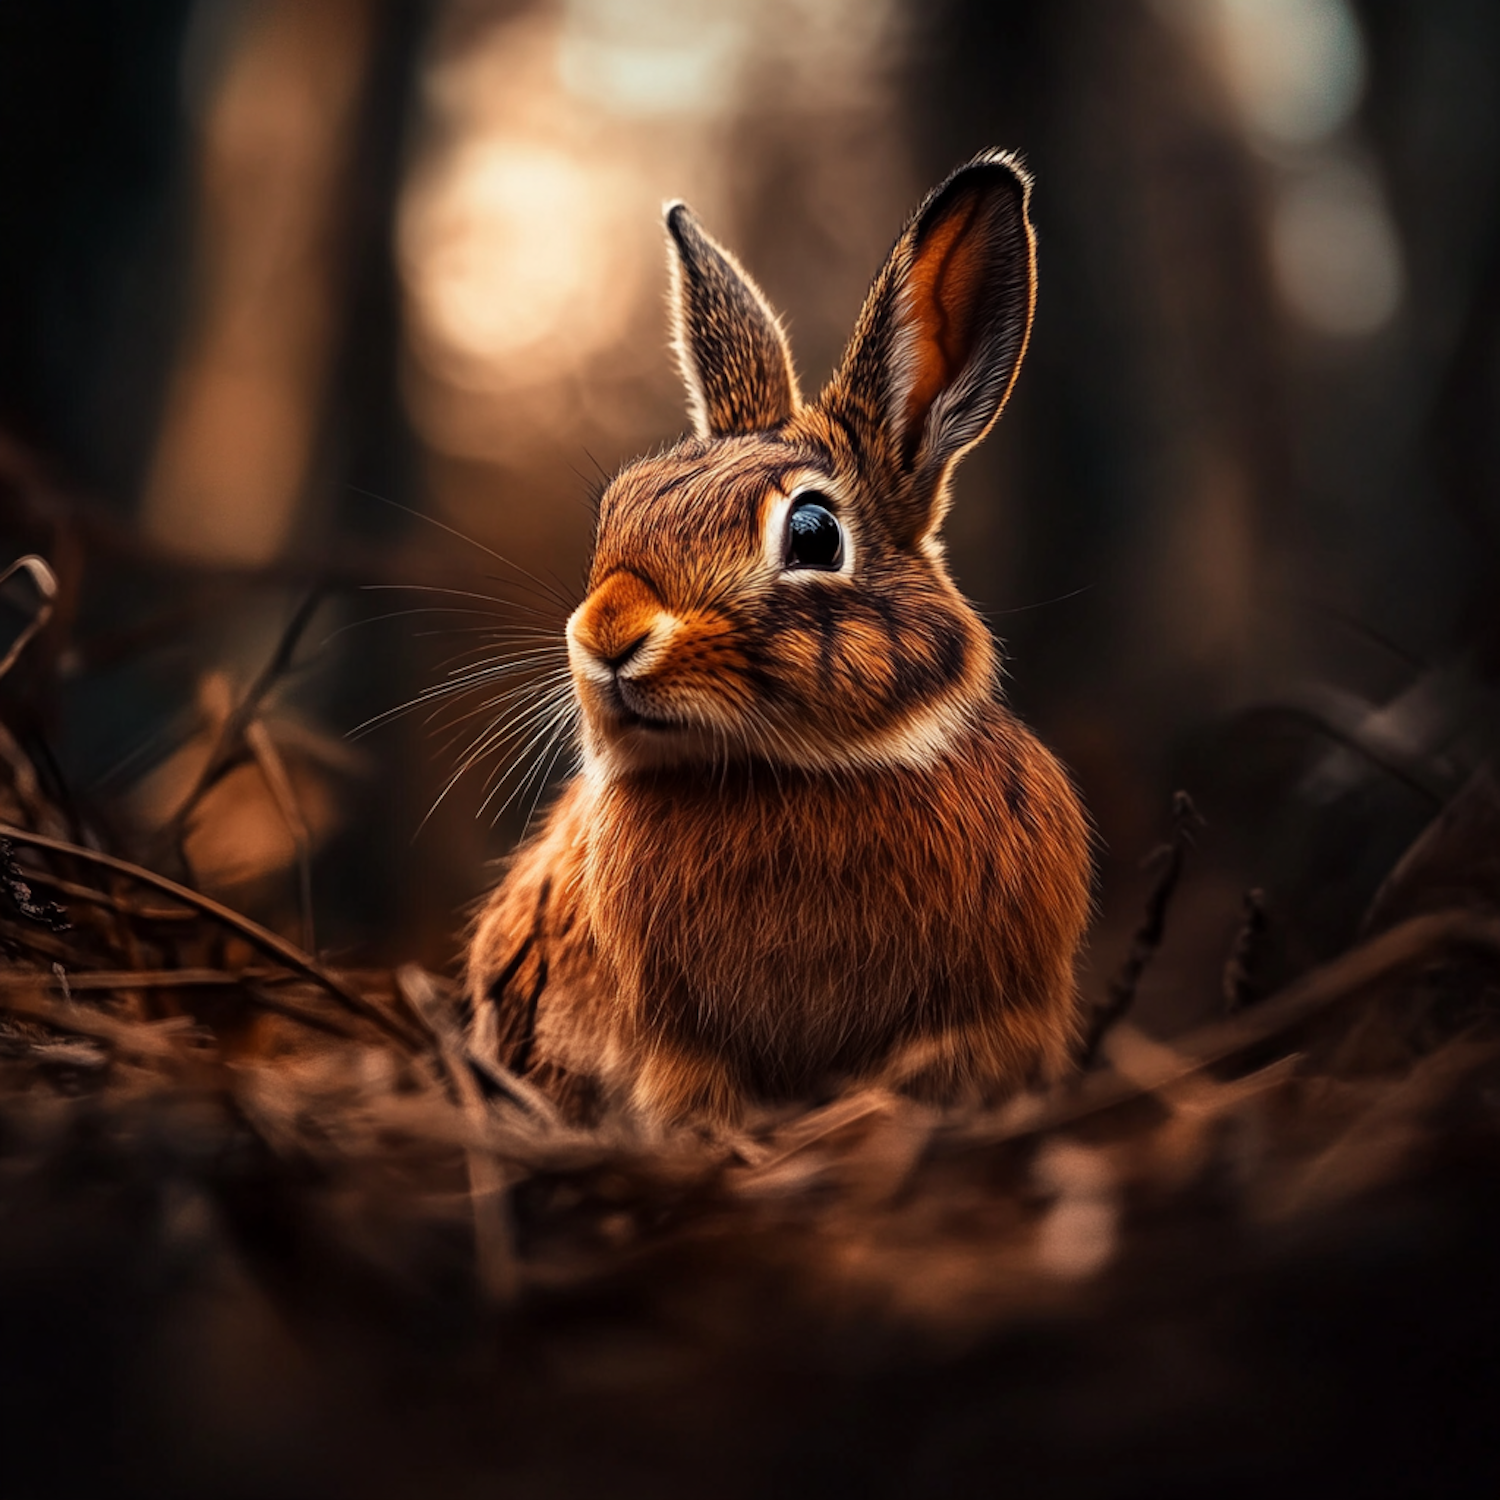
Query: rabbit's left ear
(734, 356)
(940, 339)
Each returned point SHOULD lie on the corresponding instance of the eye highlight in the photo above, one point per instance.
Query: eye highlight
(814, 538)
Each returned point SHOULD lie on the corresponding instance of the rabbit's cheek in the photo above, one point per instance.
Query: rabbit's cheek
(862, 669)
(839, 673)
(697, 671)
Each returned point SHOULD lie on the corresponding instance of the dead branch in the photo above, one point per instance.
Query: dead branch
(231, 746)
(17, 890)
(494, 1252)
(1239, 966)
(45, 582)
(274, 773)
(1397, 951)
(152, 1039)
(156, 979)
(107, 901)
(1171, 856)
(260, 937)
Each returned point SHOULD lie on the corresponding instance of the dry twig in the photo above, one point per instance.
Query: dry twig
(260, 937)
(45, 582)
(1171, 856)
(231, 746)
(1239, 966)
(494, 1253)
(1397, 951)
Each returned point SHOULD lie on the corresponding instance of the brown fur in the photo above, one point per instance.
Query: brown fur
(809, 844)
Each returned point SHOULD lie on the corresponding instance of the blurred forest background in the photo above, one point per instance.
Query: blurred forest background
(298, 297)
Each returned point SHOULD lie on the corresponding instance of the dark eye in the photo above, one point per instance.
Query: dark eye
(814, 538)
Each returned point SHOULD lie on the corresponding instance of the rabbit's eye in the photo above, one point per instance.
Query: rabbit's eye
(814, 538)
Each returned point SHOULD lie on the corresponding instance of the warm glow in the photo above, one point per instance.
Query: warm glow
(507, 250)
(530, 240)
(1335, 253)
(659, 57)
(1295, 67)
(1293, 72)
(246, 395)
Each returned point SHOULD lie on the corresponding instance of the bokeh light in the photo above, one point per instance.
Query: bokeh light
(1294, 72)
(529, 240)
(1334, 249)
(508, 248)
(1296, 68)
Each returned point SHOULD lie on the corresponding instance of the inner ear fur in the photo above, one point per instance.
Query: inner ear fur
(734, 356)
(940, 339)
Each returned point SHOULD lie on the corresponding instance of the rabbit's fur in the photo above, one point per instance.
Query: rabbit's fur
(809, 844)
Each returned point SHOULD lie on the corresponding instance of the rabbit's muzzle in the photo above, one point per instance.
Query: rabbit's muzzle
(641, 667)
(615, 637)
(610, 628)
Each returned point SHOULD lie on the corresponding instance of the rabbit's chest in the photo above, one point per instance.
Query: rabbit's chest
(795, 927)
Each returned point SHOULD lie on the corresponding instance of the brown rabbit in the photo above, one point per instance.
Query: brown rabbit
(808, 844)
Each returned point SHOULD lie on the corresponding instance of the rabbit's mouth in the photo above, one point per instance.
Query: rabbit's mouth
(628, 718)
(625, 708)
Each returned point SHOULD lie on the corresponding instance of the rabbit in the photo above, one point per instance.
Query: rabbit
(808, 846)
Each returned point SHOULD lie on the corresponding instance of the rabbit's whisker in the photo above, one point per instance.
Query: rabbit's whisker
(547, 591)
(547, 700)
(560, 744)
(499, 604)
(540, 692)
(517, 711)
(502, 630)
(440, 691)
(514, 633)
(487, 666)
(560, 718)
(472, 679)
(538, 728)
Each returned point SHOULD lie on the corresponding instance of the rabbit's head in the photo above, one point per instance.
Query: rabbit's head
(774, 587)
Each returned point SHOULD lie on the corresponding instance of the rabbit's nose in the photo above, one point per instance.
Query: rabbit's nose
(625, 652)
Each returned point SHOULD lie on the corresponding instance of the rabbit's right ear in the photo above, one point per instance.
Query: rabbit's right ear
(940, 338)
(734, 356)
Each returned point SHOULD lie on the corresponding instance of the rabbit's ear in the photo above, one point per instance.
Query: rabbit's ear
(938, 344)
(733, 354)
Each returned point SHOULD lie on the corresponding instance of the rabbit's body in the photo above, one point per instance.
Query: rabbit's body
(917, 923)
(809, 844)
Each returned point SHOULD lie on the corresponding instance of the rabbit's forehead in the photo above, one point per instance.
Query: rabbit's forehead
(700, 506)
